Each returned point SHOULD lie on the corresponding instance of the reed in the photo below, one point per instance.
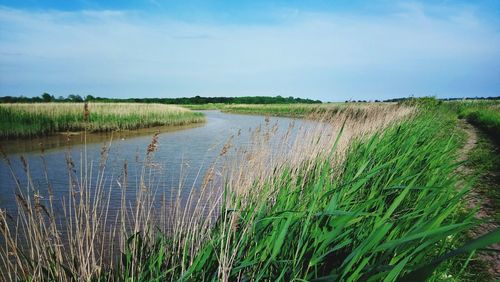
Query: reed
(366, 193)
(26, 120)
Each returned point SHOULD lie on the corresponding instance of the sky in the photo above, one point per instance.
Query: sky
(328, 50)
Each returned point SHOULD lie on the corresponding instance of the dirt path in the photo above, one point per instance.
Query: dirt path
(470, 143)
(478, 199)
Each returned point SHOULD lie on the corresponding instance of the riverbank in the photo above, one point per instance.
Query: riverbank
(41, 119)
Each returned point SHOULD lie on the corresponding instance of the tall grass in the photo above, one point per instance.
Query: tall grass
(365, 194)
(21, 120)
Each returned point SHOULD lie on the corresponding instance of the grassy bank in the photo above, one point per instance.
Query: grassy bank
(24, 120)
(346, 201)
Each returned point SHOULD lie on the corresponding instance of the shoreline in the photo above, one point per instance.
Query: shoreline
(28, 144)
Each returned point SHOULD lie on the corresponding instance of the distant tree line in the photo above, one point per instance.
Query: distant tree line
(46, 97)
(406, 99)
(444, 99)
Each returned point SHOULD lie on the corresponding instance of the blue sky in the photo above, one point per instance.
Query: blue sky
(328, 50)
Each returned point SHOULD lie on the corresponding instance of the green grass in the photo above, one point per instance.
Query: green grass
(483, 114)
(26, 120)
(486, 119)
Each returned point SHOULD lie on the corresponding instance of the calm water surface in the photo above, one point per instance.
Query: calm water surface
(183, 155)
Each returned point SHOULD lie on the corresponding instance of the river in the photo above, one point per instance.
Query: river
(183, 155)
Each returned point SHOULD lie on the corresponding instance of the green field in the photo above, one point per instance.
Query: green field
(372, 194)
(36, 119)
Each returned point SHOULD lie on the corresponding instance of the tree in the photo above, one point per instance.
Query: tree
(75, 98)
(46, 97)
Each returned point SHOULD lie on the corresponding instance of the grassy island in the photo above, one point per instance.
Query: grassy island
(36, 119)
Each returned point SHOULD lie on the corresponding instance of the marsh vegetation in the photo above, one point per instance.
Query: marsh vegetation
(367, 192)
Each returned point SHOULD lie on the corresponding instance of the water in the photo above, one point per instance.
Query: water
(182, 157)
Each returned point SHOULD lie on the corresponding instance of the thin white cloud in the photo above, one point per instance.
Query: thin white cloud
(412, 50)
